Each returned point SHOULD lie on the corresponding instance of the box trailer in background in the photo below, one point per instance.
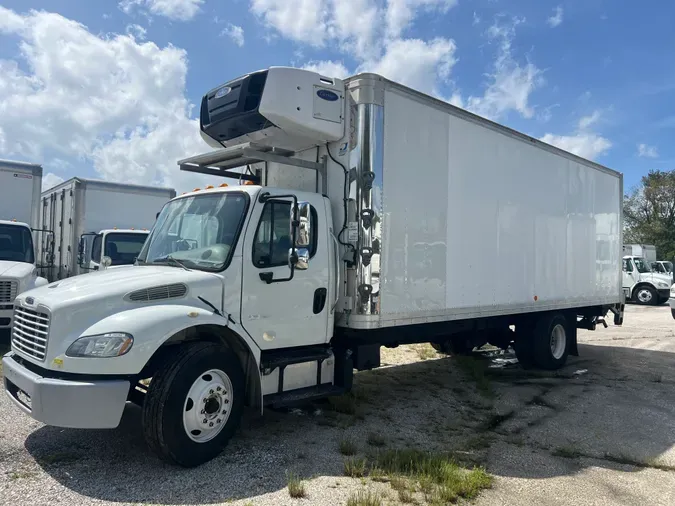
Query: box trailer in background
(646, 251)
(20, 186)
(95, 219)
(352, 235)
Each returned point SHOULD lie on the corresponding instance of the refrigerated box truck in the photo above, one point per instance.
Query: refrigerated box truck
(20, 186)
(646, 251)
(97, 221)
(348, 234)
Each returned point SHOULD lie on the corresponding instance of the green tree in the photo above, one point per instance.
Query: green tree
(649, 213)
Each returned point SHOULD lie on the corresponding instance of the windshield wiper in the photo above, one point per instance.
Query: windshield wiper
(171, 259)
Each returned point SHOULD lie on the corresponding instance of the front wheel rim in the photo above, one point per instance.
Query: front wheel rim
(645, 296)
(207, 406)
(558, 341)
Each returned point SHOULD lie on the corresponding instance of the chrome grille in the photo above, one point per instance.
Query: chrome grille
(8, 291)
(30, 330)
(173, 291)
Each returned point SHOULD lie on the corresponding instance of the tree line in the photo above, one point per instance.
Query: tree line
(649, 213)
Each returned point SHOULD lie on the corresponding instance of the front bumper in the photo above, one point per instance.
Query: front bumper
(65, 403)
(664, 294)
(671, 302)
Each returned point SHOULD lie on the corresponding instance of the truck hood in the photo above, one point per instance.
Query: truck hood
(655, 277)
(15, 269)
(115, 284)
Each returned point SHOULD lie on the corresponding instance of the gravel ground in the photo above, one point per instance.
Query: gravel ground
(601, 431)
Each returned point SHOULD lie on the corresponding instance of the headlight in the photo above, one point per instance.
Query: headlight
(663, 285)
(112, 344)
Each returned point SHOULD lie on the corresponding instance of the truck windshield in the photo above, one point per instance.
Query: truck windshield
(642, 265)
(200, 231)
(123, 248)
(16, 244)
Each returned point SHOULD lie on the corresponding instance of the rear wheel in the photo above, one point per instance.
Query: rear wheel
(646, 296)
(551, 341)
(194, 404)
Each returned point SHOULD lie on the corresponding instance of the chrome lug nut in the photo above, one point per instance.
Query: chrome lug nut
(211, 424)
(204, 421)
(218, 388)
(211, 391)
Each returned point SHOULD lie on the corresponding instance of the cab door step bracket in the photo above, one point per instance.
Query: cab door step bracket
(302, 395)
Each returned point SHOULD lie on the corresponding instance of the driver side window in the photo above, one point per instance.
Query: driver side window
(627, 266)
(272, 239)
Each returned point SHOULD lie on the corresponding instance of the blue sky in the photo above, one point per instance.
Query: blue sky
(108, 89)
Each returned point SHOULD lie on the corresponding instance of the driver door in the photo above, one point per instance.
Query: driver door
(285, 313)
(629, 274)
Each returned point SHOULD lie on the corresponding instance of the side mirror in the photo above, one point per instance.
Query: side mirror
(298, 258)
(106, 262)
(301, 221)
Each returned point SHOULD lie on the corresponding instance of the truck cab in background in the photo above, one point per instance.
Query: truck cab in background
(663, 267)
(18, 271)
(110, 248)
(643, 286)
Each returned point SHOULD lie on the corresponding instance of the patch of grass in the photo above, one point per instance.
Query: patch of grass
(566, 452)
(348, 447)
(365, 498)
(355, 467)
(21, 474)
(425, 351)
(476, 370)
(441, 479)
(296, 487)
(345, 404)
(376, 440)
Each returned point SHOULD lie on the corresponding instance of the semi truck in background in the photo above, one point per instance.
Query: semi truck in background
(97, 224)
(20, 186)
(347, 236)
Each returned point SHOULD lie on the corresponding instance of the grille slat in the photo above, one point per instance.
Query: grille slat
(8, 291)
(30, 332)
(173, 291)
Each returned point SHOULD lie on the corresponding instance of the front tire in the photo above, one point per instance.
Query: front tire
(194, 404)
(646, 296)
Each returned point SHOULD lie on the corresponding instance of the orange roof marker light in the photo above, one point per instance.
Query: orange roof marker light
(248, 183)
(196, 189)
(224, 185)
(209, 187)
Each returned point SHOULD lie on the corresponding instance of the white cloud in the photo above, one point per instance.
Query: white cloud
(583, 142)
(50, 180)
(299, 20)
(328, 68)
(137, 31)
(236, 33)
(646, 151)
(510, 83)
(588, 121)
(178, 10)
(416, 63)
(400, 13)
(110, 99)
(557, 17)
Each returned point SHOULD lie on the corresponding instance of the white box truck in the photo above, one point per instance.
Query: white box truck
(646, 251)
(348, 234)
(95, 223)
(20, 186)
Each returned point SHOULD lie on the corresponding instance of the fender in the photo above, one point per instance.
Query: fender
(151, 327)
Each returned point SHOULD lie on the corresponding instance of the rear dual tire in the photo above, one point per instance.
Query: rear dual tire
(544, 343)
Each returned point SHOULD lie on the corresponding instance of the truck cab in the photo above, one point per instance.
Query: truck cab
(18, 271)
(111, 248)
(663, 267)
(643, 286)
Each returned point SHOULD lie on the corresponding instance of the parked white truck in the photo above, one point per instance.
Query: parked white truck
(97, 222)
(643, 286)
(20, 186)
(348, 238)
